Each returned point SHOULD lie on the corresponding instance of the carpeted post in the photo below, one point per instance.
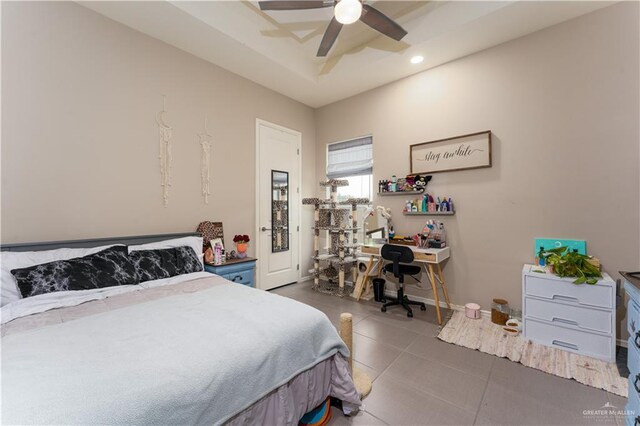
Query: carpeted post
(360, 378)
(346, 332)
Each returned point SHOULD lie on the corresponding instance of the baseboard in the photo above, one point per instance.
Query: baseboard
(431, 302)
(305, 278)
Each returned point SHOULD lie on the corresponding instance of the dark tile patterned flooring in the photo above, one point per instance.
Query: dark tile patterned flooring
(419, 380)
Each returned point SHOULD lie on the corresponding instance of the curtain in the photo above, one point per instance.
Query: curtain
(350, 158)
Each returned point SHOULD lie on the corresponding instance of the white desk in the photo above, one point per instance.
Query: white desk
(430, 258)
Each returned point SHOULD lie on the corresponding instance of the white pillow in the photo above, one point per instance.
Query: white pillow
(194, 242)
(13, 259)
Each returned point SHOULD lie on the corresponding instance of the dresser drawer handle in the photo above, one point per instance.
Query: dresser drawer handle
(236, 278)
(565, 298)
(565, 321)
(635, 383)
(565, 345)
(636, 339)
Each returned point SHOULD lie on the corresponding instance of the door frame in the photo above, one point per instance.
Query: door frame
(256, 211)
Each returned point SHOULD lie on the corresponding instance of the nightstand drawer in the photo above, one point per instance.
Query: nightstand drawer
(241, 277)
(576, 316)
(240, 272)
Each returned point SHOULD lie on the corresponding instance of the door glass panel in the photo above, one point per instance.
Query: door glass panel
(279, 211)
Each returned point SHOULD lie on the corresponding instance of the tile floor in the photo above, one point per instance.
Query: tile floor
(420, 380)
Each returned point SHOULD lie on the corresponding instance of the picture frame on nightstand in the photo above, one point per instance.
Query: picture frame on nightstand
(217, 241)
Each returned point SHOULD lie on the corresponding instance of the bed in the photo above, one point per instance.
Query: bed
(190, 349)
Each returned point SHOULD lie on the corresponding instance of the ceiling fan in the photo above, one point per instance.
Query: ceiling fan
(345, 12)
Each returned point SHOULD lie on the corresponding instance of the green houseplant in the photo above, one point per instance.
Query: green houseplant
(572, 264)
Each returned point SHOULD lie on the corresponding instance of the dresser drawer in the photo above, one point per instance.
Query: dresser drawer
(573, 340)
(584, 294)
(241, 277)
(576, 316)
(633, 406)
(633, 318)
(631, 419)
(633, 359)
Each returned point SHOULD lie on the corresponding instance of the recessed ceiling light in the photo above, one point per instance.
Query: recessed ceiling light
(417, 59)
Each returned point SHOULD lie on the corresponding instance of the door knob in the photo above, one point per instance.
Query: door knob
(265, 229)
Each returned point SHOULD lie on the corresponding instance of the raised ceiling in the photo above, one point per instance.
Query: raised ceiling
(277, 49)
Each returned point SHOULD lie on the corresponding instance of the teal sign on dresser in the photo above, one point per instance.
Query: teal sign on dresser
(551, 243)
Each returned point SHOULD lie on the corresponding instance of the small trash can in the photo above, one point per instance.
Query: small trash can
(378, 289)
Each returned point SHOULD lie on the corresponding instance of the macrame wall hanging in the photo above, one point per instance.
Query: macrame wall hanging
(164, 132)
(205, 139)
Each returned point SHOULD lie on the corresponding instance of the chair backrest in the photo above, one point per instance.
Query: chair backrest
(397, 253)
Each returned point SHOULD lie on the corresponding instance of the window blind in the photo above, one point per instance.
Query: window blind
(350, 158)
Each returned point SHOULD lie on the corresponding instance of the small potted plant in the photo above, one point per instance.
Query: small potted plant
(564, 263)
(241, 244)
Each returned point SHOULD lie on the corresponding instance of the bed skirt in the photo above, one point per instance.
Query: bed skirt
(287, 404)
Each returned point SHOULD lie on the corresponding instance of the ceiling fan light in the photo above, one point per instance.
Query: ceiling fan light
(348, 11)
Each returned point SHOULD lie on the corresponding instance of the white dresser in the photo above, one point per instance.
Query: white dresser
(577, 318)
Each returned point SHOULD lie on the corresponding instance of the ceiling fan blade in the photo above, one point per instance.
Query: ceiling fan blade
(294, 4)
(381, 23)
(330, 36)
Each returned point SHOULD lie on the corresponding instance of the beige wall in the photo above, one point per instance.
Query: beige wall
(79, 140)
(563, 106)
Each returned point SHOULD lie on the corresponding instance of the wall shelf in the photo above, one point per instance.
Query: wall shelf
(400, 193)
(429, 213)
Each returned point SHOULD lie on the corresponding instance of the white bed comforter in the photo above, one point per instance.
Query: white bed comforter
(198, 356)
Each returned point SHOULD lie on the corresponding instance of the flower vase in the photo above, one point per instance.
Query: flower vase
(241, 248)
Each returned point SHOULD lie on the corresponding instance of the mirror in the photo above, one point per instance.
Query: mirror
(375, 226)
(279, 211)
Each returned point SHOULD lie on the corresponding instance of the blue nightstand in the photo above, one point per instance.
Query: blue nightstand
(239, 271)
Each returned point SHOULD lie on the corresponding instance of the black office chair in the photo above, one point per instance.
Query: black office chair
(399, 255)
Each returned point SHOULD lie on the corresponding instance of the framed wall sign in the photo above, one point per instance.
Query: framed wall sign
(446, 155)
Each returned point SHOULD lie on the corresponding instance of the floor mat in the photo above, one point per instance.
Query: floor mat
(483, 335)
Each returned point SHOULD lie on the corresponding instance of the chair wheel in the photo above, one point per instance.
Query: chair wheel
(410, 314)
(383, 309)
(423, 308)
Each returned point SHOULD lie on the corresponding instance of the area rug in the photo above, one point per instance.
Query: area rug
(483, 335)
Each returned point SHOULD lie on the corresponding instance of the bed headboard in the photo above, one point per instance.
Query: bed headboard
(94, 242)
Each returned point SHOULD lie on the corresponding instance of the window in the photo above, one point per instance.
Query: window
(352, 160)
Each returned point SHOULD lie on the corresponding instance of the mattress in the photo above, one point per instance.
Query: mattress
(200, 351)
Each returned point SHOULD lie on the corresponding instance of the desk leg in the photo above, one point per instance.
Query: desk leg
(444, 287)
(436, 299)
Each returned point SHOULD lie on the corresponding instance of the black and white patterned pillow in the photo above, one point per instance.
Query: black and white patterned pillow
(165, 263)
(188, 260)
(107, 268)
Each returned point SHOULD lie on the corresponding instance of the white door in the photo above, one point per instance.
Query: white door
(278, 204)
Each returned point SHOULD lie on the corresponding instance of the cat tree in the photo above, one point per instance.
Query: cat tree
(339, 221)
